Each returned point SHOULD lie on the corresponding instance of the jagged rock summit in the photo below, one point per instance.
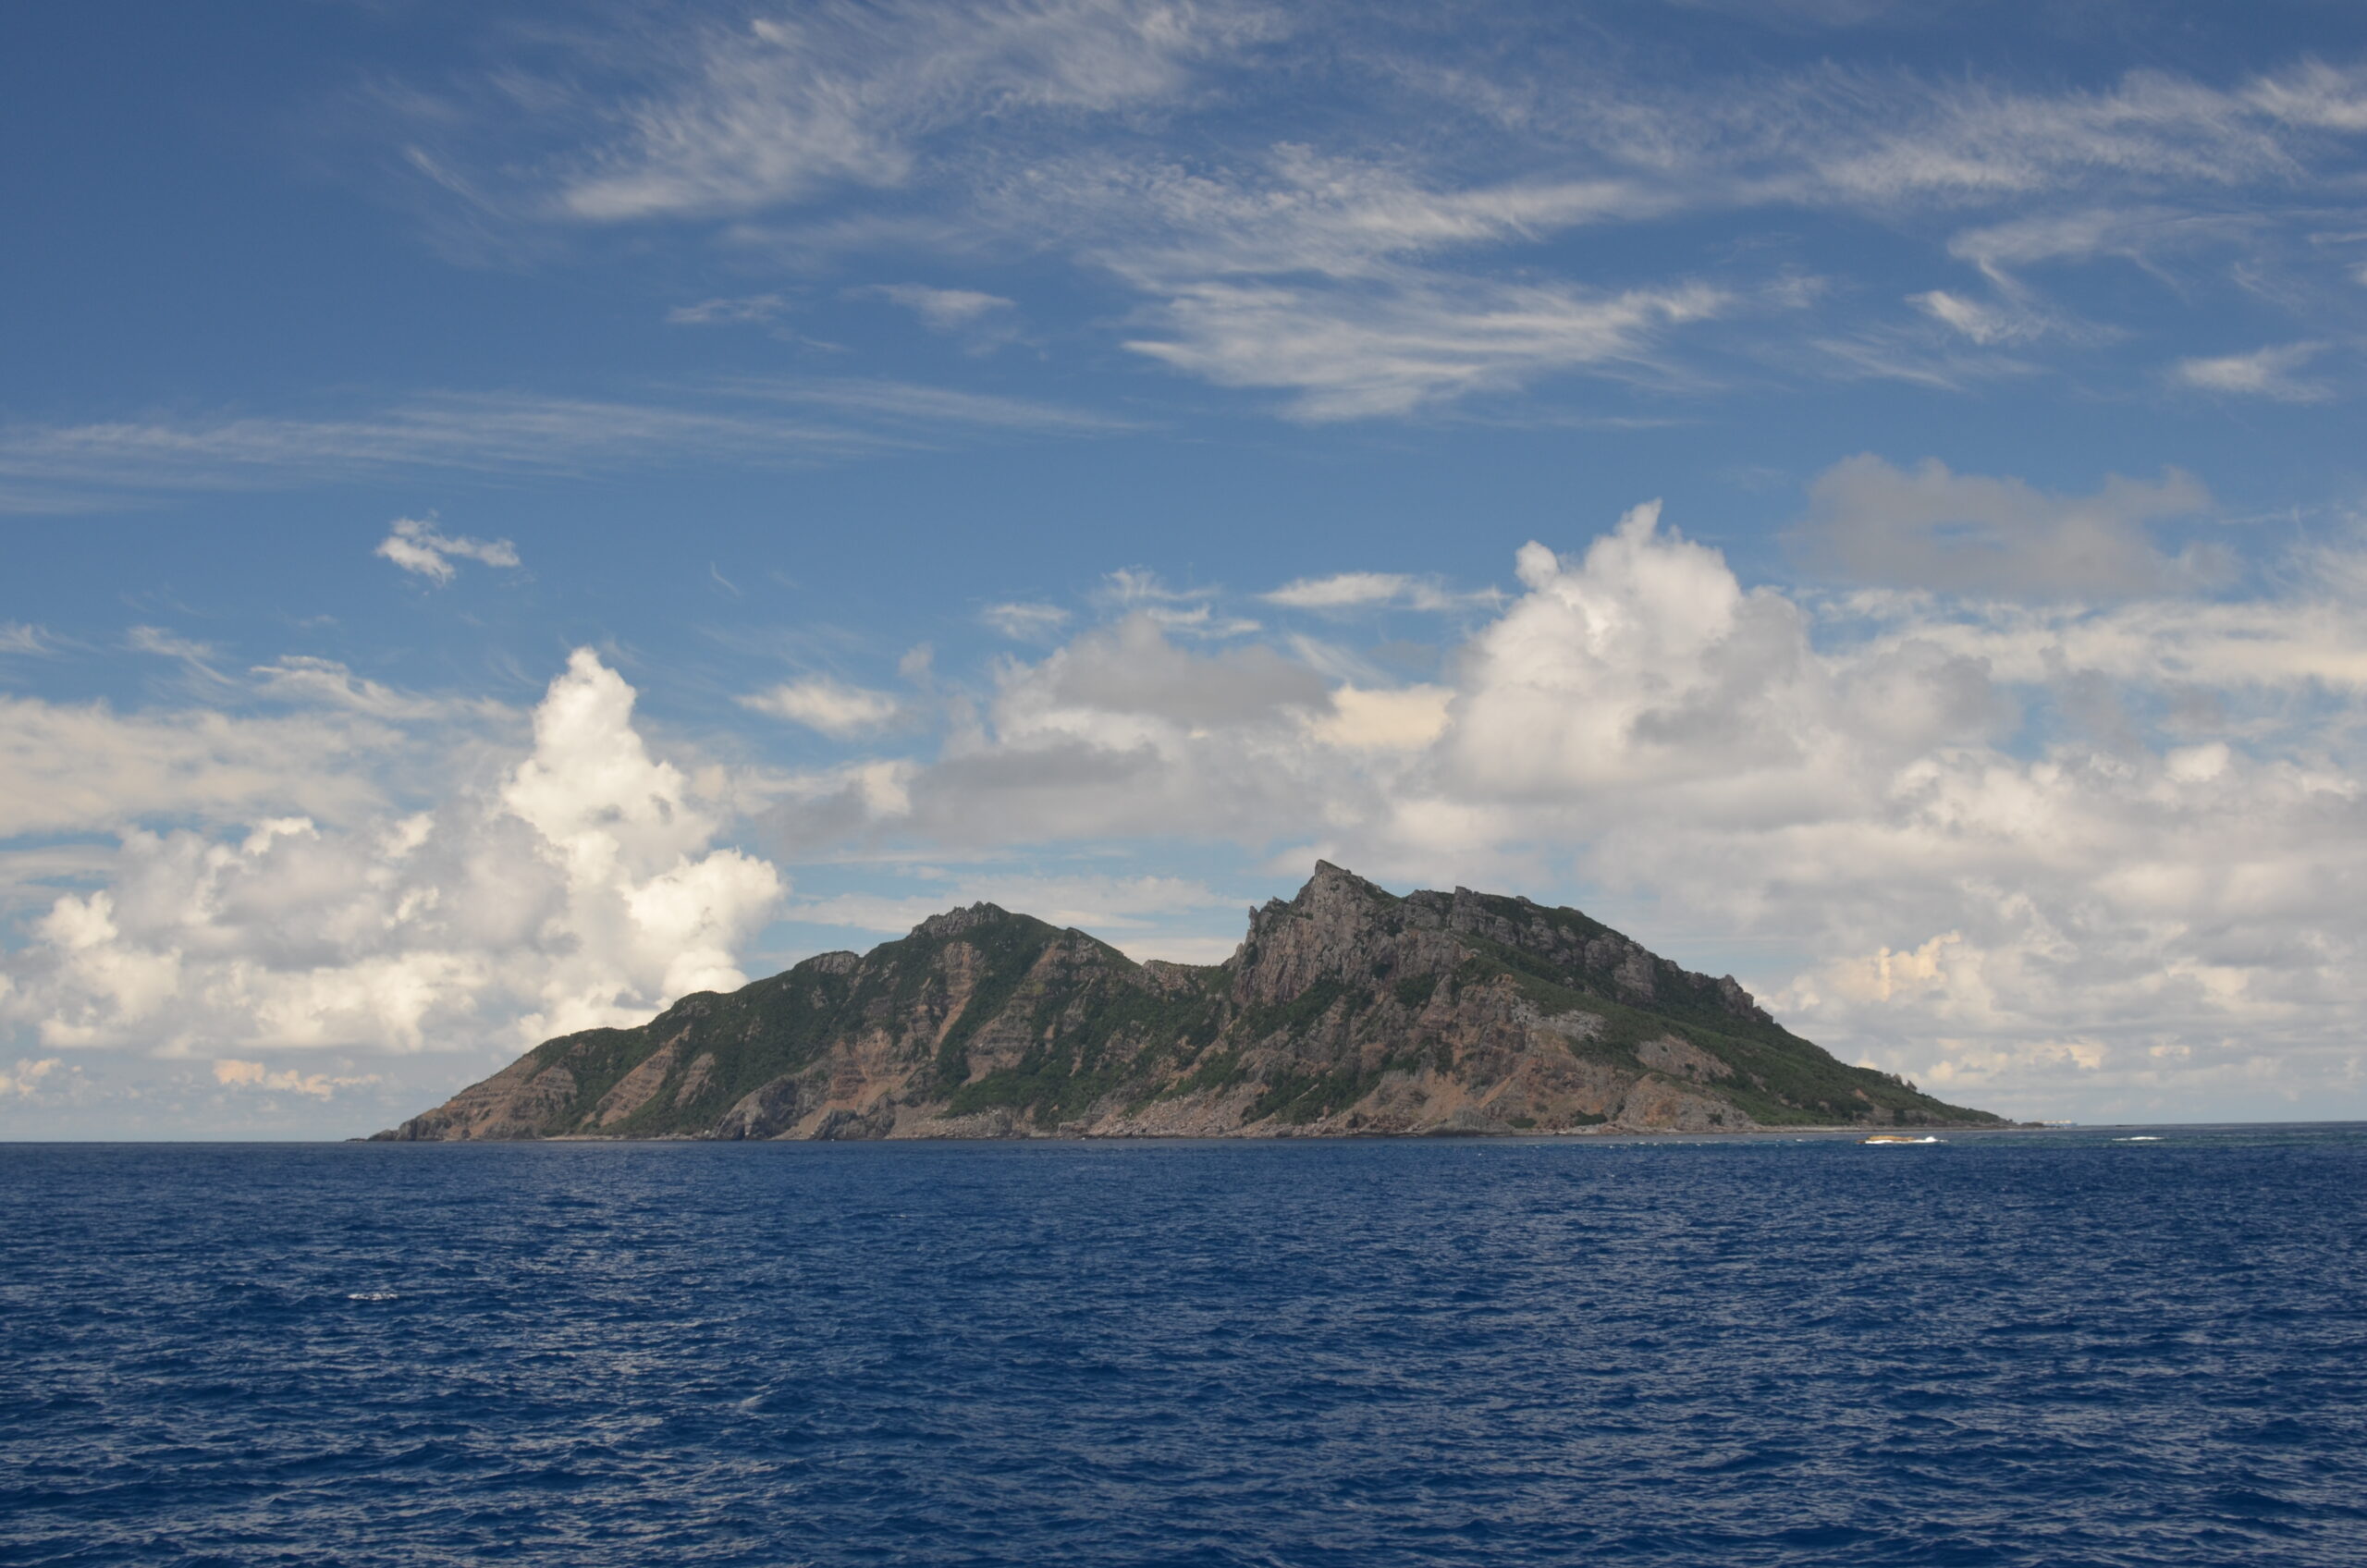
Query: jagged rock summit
(1347, 1010)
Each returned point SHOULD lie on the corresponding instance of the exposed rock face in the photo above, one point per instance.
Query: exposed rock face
(1345, 1011)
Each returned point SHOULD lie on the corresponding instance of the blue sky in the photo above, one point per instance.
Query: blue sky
(516, 511)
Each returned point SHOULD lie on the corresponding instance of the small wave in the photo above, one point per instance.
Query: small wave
(371, 1295)
(2140, 1138)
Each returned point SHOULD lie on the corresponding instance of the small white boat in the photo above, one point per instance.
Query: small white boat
(1897, 1138)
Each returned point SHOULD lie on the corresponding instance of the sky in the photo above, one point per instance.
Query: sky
(518, 512)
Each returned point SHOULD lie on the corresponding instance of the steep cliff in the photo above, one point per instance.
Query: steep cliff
(1345, 1011)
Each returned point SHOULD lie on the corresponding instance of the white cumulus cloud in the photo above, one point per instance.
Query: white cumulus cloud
(23, 1081)
(583, 887)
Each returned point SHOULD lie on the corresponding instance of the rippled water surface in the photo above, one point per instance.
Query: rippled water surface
(2045, 1349)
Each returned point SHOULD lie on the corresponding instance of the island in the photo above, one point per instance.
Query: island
(1346, 1011)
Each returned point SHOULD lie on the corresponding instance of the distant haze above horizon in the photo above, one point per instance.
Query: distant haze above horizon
(518, 512)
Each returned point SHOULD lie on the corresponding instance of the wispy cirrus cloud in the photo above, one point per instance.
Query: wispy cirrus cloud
(1292, 209)
(2145, 235)
(1984, 323)
(1415, 342)
(2314, 93)
(909, 407)
(1144, 596)
(198, 655)
(1375, 590)
(310, 680)
(982, 322)
(1414, 306)
(84, 467)
(1334, 280)
(481, 432)
(737, 310)
(1194, 158)
(1870, 142)
(793, 103)
(946, 310)
(1024, 622)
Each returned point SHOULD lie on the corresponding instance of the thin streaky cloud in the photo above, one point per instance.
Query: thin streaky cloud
(983, 323)
(740, 311)
(909, 402)
(168, 644)
(946, 310)
(1919, 360)
(88, 467)
(482, 432)
(1985, 323)
(326, 683)
(1375, 590)
(1350, 355)
(1295, 211)
(1024, 622)
(780, 111)
(1129, 587)
(1359, 284)
(2144, 236)
(2315, 95)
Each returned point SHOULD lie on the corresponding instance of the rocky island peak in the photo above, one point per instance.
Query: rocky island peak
(1346, 1009)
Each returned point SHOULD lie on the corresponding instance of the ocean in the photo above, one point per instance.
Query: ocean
(2050, 1348)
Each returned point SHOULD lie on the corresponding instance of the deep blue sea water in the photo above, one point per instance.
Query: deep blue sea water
(2047, 1349)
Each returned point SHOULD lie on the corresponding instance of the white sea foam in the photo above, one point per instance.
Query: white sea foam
(369, 1295)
